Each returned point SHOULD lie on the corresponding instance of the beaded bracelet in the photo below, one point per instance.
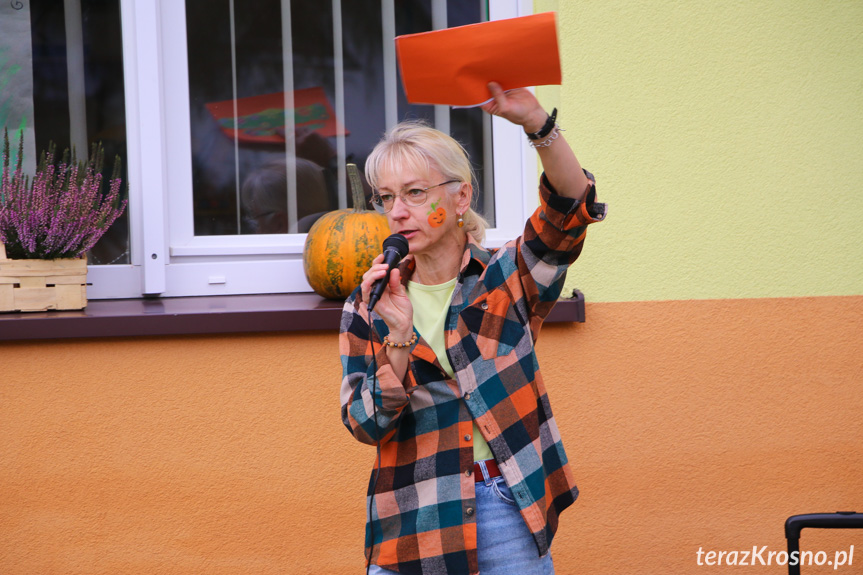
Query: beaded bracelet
(412, 341)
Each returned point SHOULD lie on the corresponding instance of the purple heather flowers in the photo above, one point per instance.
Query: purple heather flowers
(62, 212)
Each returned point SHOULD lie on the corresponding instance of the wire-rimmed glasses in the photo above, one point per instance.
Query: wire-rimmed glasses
(383, 202)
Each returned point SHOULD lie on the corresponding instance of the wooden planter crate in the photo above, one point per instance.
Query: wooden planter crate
(41, 285)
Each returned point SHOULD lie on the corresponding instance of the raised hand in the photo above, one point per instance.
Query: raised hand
(559, 163)
(519, 106)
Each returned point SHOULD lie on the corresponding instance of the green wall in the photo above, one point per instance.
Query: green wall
(727, 138)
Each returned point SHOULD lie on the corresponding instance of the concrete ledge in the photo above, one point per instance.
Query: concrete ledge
(197, 315)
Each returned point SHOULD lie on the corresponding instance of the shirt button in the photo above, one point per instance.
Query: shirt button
(469, 511)
(484, 305)
(467, 437)
(468, 472)
(467, 396)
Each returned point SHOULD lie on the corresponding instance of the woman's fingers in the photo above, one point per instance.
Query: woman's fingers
(497, 93)
(376, 265)
(369, 277)
(375, 273)
(496, 106)
(378, 271)
(396, 287)
(519, 105)
(394, 307)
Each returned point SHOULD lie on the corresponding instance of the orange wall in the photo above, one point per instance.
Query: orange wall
(690, 423)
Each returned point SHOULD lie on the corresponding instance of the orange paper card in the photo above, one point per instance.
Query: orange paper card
(454, 66)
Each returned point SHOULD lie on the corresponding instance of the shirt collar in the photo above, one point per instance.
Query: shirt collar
(474, 255)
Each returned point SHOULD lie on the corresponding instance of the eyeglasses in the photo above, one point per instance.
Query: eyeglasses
(383, 202)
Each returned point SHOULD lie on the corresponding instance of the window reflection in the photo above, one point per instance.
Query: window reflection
(268, 154)
(265, 203)
(94, 31)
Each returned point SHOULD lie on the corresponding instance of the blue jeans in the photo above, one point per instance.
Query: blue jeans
(505, 546)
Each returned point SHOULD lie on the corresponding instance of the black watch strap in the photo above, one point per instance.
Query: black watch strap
(546, 129)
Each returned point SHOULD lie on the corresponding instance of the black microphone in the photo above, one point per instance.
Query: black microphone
(395, 248)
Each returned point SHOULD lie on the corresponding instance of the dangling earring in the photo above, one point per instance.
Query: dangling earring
(460, 222)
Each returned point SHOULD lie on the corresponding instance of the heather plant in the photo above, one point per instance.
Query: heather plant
(61, 212)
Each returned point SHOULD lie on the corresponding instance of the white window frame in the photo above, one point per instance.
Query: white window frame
(167, 259)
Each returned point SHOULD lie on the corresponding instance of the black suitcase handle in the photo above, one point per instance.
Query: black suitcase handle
(796, 523)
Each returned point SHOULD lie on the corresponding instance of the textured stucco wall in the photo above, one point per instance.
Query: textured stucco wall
(177, 455)
(705, 424)
(727, 138)
(700, 423)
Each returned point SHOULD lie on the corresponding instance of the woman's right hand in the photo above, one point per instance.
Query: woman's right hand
(394, 307)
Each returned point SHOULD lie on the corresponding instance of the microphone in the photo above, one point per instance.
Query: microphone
(395, 248)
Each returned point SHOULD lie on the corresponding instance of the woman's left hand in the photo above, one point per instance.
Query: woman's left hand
(559, 163)
(519, 106)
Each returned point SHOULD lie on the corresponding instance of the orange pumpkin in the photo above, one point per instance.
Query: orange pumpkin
(341, 245)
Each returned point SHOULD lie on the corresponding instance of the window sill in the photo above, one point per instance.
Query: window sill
(199, 315)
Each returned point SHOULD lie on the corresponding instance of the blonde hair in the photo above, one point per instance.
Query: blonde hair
(415, 145)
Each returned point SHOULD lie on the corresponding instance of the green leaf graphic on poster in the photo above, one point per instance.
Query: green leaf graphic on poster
(16, 79)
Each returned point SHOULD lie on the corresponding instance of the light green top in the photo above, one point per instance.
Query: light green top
(430, 305)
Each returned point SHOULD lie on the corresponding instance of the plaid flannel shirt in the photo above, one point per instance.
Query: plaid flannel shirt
(423, 518)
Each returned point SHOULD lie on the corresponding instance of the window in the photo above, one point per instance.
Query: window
(74, 96)
(241, 117)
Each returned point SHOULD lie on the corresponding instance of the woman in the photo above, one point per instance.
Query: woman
(472, 474)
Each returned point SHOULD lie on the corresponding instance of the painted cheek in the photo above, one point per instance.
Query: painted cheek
(437, 218)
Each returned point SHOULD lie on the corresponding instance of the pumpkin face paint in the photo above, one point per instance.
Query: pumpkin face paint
(437, 215)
